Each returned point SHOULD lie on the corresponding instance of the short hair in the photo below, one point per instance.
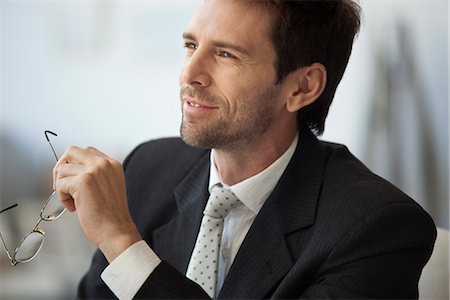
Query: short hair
(308, 31)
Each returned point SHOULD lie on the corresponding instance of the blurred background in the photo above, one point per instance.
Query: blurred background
(104, 73)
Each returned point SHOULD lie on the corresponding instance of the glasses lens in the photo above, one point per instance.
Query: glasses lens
(29, 247)
(53, 209)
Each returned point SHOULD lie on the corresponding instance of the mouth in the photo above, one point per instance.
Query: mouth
(194, 110)
(193, 103)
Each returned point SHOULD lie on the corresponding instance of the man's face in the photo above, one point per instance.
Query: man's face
(227, 84)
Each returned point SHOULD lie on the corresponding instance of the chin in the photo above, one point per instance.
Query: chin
(194, 139)
(204, 137)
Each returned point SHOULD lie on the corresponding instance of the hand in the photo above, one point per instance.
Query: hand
(93, 184)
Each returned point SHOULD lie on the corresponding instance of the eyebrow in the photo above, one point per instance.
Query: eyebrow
(220, 44)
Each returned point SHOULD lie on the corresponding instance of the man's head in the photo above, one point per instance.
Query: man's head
(260, 69)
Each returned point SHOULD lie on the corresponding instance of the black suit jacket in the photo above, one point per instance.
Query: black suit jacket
(330, 229)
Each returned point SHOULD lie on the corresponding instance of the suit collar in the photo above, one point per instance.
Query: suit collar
(296, 195)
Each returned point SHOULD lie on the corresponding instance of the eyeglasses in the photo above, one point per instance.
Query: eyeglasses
(32, 243)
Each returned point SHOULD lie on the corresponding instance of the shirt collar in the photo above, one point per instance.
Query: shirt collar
(254, 191)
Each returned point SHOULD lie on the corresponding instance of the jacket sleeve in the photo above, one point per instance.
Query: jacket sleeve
(167, 283)
(164, 283)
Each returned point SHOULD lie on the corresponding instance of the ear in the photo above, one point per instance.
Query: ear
(306, 86)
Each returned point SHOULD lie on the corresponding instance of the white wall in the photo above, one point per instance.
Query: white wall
(400, 156)
(96, 73)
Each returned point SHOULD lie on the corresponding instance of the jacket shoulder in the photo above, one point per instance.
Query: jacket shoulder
(354, 177)
(356, 192)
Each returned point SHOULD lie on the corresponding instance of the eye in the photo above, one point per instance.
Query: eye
(189, 45)
(226, 54)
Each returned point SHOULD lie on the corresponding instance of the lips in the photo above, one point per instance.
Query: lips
(192, 104)
(196, 104)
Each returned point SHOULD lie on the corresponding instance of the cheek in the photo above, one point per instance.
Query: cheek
(237, 86)
(233, 97)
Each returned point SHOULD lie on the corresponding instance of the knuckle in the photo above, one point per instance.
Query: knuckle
(60, 186)
(57, 170)
(87, 178)
(103, 163)
(92, 170)
(60, 170)
(67, 154)
(116, 164)
(71, 148)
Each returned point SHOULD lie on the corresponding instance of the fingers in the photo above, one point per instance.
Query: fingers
(96, 151)
(88, 181)
(78, 156)
(69, 169)
(63, 192)
(81, 168)
(75, 154)
(69, 204)
(69, 178)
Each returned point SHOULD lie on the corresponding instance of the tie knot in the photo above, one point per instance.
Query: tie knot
(220, 202)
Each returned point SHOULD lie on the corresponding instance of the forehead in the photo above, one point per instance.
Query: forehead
(239, 21)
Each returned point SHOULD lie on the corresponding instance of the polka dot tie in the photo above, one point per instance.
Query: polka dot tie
(203, 264)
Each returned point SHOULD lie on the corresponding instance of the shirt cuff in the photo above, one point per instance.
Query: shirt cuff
(126, 274)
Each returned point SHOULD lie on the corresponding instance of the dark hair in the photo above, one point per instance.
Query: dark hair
(307, 31)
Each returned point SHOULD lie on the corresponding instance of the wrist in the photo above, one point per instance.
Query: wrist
(118, 242)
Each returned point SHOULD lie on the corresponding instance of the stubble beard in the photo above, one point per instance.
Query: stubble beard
(254, 118)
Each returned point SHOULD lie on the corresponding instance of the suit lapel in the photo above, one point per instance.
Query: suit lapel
(261, 262)
(174, 241)
(264, 257)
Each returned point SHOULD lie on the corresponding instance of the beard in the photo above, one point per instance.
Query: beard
(253, 117)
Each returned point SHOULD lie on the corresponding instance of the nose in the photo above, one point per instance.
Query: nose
(195, 70)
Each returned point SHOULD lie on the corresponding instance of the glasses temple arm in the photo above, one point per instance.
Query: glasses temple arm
(6, 248)
(8, 208)
(48, 140)
(3, 241)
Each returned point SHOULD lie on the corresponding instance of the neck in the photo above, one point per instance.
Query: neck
(247, 159)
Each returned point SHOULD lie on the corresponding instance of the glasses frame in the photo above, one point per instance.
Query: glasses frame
(36, 229)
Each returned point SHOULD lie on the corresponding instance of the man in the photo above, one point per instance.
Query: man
(306, 219)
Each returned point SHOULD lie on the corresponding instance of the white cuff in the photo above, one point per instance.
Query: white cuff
(126, 274)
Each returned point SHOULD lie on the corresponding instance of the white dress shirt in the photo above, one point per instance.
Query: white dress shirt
(126, 274)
